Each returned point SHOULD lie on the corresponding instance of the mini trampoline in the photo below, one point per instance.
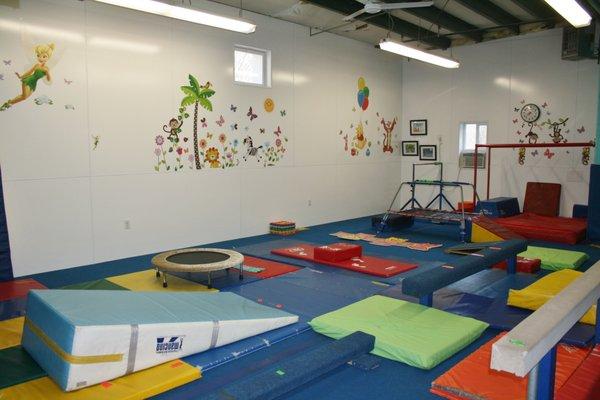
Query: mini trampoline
(197, 260)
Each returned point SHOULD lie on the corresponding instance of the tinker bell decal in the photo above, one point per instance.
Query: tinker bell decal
(30, 78)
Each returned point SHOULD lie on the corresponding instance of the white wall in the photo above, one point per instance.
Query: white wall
(493, 79)
(121, 70)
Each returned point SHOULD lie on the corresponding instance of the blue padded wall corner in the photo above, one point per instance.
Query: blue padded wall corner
(6, 272)
(593, 228)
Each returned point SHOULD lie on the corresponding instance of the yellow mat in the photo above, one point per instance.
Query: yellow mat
(10, 332)
(139, 385)
(144, 281)
(538, 293)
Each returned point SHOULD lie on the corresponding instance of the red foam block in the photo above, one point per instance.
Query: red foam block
(18, 288)
(337, 252)
(271, 268)
(523, 265)
(365, 264)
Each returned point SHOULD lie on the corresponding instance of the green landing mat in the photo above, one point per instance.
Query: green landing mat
(17, 367)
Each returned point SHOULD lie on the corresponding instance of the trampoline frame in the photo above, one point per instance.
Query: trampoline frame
(161, 263)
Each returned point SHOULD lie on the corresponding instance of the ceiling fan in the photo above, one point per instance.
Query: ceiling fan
(376, 6)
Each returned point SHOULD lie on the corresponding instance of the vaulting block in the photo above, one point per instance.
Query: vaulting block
(499, 207)
(538, 293)
(337, 252)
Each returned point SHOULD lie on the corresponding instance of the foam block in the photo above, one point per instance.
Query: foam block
(472, 377)
(337, 252)
(367, 265)
(555, 259)
(526, 265)
(537, 294)
(84, 337)
(593, 221)
(499, 207)
(410, 333)
(290, 374)
(484, 229)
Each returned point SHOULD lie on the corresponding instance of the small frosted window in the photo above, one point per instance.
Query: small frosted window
(252, 66)
(471, 134)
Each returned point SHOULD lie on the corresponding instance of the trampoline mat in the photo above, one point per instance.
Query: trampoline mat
(197, 257)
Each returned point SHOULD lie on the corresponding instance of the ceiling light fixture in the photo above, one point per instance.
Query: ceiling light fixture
(571, 11)
(185, 14)
(420, 55)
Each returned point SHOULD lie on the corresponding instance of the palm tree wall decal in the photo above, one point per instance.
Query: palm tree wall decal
(196, 94)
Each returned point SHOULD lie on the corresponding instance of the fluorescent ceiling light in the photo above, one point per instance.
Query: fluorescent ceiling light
(185, 14)
(410, 52)
(571, 11)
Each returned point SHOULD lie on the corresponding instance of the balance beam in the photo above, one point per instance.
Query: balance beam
(530, 348)
(422, 284)
(291, 374)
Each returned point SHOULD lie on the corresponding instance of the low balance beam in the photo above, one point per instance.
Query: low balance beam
(532, 342)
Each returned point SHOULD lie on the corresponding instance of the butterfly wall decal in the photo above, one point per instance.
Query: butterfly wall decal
(209, 135)
(7, 62)
(278, 131)
(262, 130)
(521, 141)
(220, 121)
(68, 82)
(535, 153)
(516, 109)
(233, 108)
(544, 105)
(282, 113)
(581, 130)
(523, 101)
(234, 127)
(515, 121)
(203, 121)
(251, 114)
(519, 133)
(549, 154)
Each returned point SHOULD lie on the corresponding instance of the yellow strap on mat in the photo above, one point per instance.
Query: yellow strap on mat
(100, 358)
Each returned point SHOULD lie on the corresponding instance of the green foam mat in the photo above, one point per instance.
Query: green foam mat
(17, 367)
(555, 259)
(410, 333)
(100, 284)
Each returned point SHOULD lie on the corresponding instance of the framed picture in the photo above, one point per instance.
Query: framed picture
(418, 127)
(428, 152)
(410, 148)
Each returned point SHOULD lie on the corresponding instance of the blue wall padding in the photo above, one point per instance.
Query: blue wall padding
(593, 228)
(580, 211)
(499, 207)
(426, 282)
(291, 374)
(6, 272)
(501, 316)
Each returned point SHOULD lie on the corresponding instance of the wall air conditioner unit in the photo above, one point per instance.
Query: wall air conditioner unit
(578, 43)
(467, 160)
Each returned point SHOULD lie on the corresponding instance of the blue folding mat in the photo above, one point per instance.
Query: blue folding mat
(12, 308)
(307, 293)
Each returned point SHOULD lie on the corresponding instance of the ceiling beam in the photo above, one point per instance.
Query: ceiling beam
(386, 21)
(444, 20)
(491, 11)
(537, 8)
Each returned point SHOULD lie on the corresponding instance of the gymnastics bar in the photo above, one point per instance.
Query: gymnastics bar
(530, 347)
(513, 146)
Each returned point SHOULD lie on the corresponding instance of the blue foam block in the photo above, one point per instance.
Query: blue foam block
(13, 308)
(500, 316)
(293, 373)
(499, 207)
(580, 211)
(593, 228)
(426, 282)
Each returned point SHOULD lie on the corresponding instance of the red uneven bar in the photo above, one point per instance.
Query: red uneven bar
(513, 146)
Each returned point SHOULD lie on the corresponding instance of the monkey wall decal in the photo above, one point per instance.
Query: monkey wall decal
(173, 128)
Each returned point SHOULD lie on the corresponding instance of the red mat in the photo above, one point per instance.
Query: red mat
(527, 265)
(271, 268)
(585, 381)
(472, 378)
(552, 229)
(18, 288)
(367, 265)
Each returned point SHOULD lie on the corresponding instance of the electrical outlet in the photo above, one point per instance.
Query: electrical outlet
(127, 224)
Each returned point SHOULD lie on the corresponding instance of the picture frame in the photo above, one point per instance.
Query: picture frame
(428, 152)
(418, 127)
(410, 148)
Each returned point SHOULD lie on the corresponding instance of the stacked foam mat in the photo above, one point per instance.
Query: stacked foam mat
(283, 228)
(86, 337)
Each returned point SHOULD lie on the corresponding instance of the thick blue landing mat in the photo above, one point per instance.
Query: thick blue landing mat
(500, 316)
(306, 293)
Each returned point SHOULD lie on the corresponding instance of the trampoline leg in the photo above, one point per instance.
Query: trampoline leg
(511, 265)
(426, 300)
(165, 280)
(546, 371)
(157, 273)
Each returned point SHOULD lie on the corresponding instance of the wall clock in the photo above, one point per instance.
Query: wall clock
(530, 113)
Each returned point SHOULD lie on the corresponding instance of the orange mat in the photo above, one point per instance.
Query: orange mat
(585, 382)
(472, 378)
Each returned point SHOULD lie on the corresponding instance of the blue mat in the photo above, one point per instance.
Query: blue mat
(12, 308)
(493, 283)
(500, 316)
(219, 279)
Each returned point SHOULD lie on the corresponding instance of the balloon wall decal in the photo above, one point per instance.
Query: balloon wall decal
(363, 94)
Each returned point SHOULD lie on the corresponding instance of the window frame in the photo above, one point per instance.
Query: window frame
(462, 133)
(266, 68)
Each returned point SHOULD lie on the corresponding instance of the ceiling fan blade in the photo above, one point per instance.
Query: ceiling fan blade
(399, 6)
(354, 15)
